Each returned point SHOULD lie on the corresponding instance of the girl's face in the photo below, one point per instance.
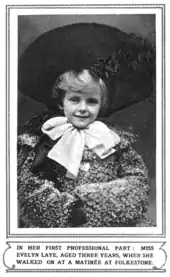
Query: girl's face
(81, 108)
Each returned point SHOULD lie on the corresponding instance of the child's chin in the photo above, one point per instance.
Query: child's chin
(81, 125)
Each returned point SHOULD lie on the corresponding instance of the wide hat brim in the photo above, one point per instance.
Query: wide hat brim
(79, 46)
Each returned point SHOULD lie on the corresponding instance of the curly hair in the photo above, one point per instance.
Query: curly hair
(79, 81)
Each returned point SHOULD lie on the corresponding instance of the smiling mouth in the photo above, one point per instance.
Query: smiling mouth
(80, 116)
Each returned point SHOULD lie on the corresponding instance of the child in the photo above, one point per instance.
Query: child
(76, 171)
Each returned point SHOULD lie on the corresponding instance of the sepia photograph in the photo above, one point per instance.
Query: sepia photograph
(86, 142)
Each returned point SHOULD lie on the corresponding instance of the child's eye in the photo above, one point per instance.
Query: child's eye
(92, 101)
(74, 99)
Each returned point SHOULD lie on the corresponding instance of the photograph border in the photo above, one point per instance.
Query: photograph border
(8, 135)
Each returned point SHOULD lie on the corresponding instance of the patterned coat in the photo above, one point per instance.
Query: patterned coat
(106, 193)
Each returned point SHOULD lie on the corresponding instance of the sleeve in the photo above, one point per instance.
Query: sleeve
(25, 146)
(123, 201)
(41, 204)
(131, 168)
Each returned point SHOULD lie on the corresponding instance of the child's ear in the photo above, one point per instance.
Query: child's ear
(60, 107)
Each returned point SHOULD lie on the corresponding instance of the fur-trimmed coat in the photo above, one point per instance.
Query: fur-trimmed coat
(106, 193)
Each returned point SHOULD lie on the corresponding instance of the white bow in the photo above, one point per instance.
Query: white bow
(68, 151)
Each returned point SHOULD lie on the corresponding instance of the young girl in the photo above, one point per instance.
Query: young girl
(74, 171)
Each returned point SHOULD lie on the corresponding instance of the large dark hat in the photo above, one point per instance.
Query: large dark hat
(125, 62)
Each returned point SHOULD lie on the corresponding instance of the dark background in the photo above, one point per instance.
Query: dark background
(139, 118)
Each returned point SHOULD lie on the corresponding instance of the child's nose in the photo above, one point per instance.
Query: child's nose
(82, 106)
